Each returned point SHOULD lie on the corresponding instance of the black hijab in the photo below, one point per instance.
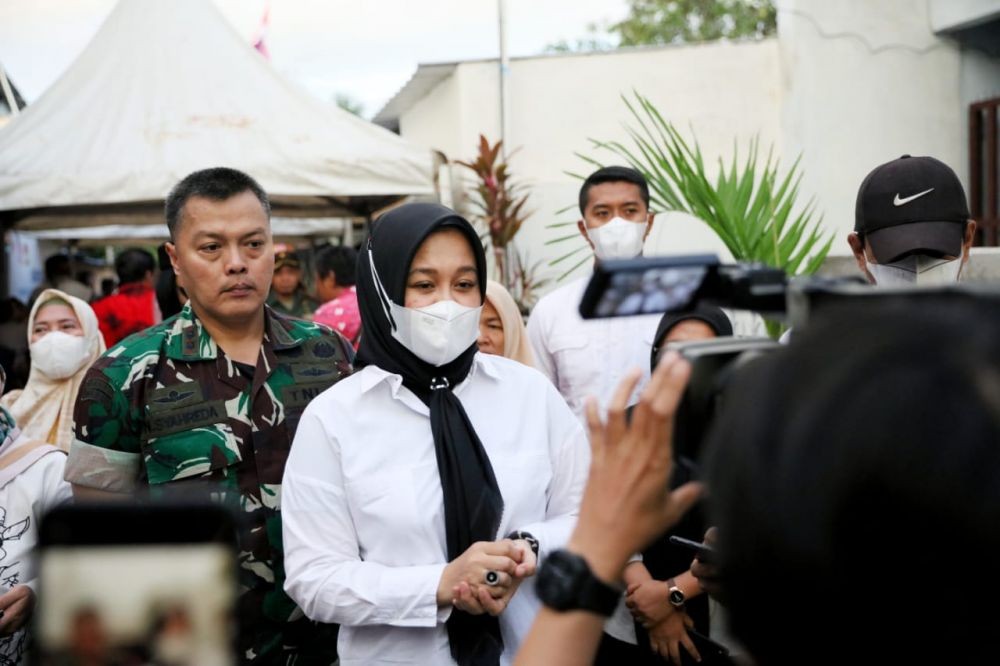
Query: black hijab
(711, 315)
(473, 505)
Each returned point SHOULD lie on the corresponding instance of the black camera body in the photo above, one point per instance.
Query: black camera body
(657, 285)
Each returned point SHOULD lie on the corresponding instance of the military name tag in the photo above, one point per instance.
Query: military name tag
(182, 407)
(297, 396)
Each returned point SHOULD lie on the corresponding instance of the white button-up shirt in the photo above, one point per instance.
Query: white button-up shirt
(363, 512)
(587, 356)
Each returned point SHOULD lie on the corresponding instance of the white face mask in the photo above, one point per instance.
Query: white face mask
(917, 269)
(617, 239)
(436, 334)
(59, 355)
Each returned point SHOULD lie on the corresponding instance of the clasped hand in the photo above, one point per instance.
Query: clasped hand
(463, 582)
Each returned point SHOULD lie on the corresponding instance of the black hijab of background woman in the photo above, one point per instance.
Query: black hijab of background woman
(473, 505)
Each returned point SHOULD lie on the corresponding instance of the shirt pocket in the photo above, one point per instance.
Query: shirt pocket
(573, 361)
(397, 511)
(188, 440)
(524, 482)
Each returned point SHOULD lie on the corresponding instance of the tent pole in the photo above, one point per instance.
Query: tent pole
(504, 80)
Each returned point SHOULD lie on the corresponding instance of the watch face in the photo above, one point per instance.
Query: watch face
(676, 597)
(556, 584)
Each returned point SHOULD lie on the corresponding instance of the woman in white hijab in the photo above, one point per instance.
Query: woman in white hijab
(31, 483)
(64, 341)
(501, 329)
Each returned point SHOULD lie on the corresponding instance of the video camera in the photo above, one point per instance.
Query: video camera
(657, 285)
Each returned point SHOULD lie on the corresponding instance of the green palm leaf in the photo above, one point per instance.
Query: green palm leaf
(748, 203)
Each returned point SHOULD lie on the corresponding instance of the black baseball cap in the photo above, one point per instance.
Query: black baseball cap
(912, 204)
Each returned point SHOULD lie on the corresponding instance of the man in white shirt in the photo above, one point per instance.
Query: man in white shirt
(590, 357)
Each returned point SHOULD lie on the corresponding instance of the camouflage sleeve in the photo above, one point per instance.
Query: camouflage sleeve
(105, 452)
(346, 346)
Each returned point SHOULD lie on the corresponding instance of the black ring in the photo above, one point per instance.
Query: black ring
(492, 578)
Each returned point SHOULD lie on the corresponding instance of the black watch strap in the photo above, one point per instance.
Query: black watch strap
(526, 536)
(565, 582)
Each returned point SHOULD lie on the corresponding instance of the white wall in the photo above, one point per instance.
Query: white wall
(980, 77)
(849, 85)
(949, 14)
(722, 91)
(435, 120)
(865, 82)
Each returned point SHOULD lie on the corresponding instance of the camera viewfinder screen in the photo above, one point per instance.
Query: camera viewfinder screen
(163, 604)
(652, 291)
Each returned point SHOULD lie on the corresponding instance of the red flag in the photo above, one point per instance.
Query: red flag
(258, 42)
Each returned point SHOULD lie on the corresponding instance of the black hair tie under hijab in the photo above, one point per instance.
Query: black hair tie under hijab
(473, 505)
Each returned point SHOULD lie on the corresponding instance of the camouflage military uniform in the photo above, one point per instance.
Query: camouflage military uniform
(303, 305)
(167, 410)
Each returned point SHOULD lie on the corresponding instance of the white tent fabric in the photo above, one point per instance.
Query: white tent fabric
(166, 88)
(124, 234)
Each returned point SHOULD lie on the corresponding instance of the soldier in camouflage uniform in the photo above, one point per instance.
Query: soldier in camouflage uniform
(173, 409)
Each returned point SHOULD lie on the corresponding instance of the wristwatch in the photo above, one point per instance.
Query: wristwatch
(565, 582)
(526, 536)
(675, 594)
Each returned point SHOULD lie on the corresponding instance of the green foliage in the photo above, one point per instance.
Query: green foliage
(595, 42)
(677, 22)
(748, 204)
(349, 104)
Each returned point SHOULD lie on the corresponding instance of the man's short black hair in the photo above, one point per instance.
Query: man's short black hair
(340, 260)
(613, 174)
(217, 184)
(133, 264)
(849, 462)
(57, 266)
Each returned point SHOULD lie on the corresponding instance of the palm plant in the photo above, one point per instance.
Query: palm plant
(749, 205)
(500, 209)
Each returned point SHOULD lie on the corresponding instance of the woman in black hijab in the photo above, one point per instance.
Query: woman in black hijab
(664, 632)
(418, 498)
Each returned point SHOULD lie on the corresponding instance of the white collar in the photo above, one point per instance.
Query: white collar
(372, 375)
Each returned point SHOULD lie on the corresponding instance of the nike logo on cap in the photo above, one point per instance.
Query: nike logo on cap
(899, 202)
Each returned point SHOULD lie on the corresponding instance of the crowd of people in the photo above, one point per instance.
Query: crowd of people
(423, 478)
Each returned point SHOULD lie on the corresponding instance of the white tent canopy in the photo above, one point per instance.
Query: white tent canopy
(147, 234)
(166, 88)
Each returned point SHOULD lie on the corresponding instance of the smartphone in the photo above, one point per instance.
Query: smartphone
(712, 653)
(702, 551)
(137, 584)
(645, 286)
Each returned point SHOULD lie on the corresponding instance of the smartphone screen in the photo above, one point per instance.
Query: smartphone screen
(170, 604)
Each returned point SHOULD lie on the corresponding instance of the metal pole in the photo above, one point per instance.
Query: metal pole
(8, 93)
(504, 80)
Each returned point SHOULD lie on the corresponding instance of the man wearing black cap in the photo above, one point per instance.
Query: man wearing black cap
(912, 224)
